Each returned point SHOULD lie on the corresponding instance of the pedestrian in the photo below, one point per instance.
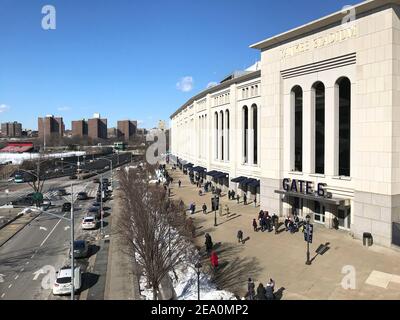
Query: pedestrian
(237, 198)
(179, 183)
(193, 208)
(251, 292)
(240, 236)
(169, 192)
(233, 194)
(208, 243)
(275, 221)
(244, 199)
(255, 201)
(204, 208)
(269, 290)
(229, 194)
(261, 292)
(214, 260)
(255, 227)
(220, 210)
(226, 210)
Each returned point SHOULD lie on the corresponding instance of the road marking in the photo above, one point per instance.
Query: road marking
(3, 295)
(16, 277)
(11, 285)
(27, 262)
(22, 270)
(51, 232)
(32, 256)
(43, 228)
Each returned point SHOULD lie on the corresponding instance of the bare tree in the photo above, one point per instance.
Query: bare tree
(37, 170)
(152, 227)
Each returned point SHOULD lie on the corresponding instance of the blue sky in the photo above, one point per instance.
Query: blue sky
(124, 58)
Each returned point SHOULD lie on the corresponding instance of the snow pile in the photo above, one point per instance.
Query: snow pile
(186, 285)
(18, 158)
(184, 281)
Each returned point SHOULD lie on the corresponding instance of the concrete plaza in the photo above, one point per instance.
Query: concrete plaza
(282, 256)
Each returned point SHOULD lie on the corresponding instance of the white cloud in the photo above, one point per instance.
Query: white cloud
(4, 108)
(64, 109)
(140, 122)
(185, 84)
(212, 84)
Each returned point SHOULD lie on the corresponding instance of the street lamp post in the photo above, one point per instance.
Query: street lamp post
(62, 164)
(72, 245)
(101, 205)
(198, 267)
(307, 237)
(216, 204)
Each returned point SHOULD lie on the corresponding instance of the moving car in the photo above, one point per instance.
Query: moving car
(46, 204)
(82, 196)
(81, 249)
(61, 192)
(66, 207)
(62, 284)
(24, 201)
(89, 223)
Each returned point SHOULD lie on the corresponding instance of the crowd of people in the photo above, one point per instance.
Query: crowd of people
(262, 293)
(265, 222)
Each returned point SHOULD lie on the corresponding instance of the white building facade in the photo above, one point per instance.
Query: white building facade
(318, 125)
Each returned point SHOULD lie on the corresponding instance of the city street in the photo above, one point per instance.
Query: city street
(28, 260)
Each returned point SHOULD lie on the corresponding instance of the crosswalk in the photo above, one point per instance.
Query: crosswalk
(51, 194)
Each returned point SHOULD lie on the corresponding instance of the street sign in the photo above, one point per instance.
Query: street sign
(308, 233)
(214, 203)
(37, 196)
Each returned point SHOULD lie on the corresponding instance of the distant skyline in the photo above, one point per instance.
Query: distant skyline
(126, 59)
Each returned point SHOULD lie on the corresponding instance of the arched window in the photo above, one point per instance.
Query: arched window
(222, 134)
(319, 96)
(297, 96)
(227, 133)
(343, 86)
(245, 126)
(254, 113)
(216, 134)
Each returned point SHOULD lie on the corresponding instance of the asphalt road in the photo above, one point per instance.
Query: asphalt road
(29, 260)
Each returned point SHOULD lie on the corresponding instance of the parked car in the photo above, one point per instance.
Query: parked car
(94, 211)
(96, 180)
(96, 204)
(62, 284)
(82, 196)
(66, 207)
(81, 249)
(89, 223)
(61, 192)
(73, 177)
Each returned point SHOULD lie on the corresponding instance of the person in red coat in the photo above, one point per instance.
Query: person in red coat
(214, 259)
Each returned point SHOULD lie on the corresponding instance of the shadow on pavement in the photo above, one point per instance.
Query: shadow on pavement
(89, 280)
(232, 272)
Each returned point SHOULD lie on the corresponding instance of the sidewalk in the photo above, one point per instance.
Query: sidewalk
(121, 282)
(282, 257)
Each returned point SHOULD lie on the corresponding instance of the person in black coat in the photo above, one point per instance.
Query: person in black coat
(208, 243)
(251, 290)
(261, 292)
